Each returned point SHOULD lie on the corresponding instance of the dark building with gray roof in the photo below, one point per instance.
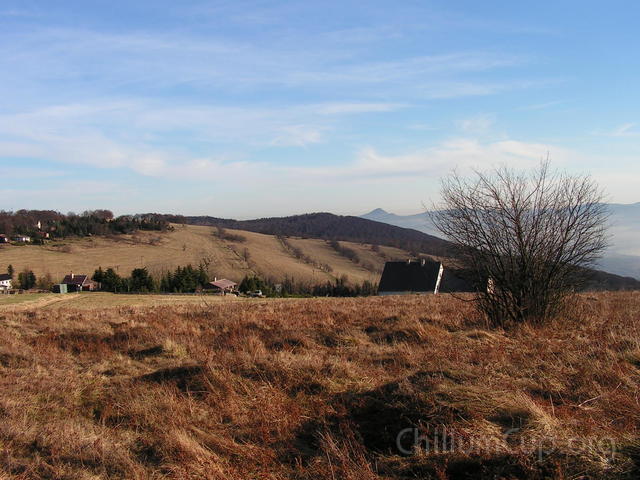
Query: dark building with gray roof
(420, 277)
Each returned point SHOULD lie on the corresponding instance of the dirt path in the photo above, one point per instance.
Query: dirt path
(38, 303)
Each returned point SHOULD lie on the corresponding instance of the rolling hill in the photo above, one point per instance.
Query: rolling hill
(336, 227)
(249, 253)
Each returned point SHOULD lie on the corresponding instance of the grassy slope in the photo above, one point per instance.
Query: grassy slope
(317, 389)
(191, 244)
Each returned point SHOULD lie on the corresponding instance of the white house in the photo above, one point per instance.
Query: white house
(5, 282)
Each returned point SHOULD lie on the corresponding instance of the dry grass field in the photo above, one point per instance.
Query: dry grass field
(318, 389)
(193, 244)
(97, 300)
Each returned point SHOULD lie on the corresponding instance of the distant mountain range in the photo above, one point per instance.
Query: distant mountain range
(622, 258)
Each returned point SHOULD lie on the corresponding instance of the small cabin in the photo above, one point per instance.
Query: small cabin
(80, 283)
(222, 286)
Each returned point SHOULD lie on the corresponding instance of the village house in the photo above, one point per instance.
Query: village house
(420, 278)
(5, 282)
(80, 283)
(405, 278)
(222, 286)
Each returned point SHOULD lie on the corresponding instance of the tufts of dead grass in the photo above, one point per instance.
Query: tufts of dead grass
(319, 389)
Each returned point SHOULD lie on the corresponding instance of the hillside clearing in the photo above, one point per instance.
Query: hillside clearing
(258, 254)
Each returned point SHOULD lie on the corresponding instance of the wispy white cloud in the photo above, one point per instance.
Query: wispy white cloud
(16, 12)
(15, 172)
(624, 130)
(297, 136)
(476, 124)
(55, 195)
(145, 135)
(459, 153)
(423, 127)
(542, 106)
(91, 60)
(346, 108)
(60, 134)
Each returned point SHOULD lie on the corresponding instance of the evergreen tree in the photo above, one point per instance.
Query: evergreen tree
(141, 281)
(22, 280)
(184, 279)
(27, 279)
(112, 282)
(165, 282)
(203, 277)
(98, 275)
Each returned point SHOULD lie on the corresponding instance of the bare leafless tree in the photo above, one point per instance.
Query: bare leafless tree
(527, 238)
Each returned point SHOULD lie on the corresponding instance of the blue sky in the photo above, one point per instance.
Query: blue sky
(248, 109)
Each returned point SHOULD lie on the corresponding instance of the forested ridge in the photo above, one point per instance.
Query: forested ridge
(35, 223)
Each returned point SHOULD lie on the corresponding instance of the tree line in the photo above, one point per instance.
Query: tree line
(35, 223)
(191, 279)
(182, 280)
(289, 287)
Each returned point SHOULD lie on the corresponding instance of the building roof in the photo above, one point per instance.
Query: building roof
(75, 279)
(455, 282)
(223, 284)
(4, 277)
(421, 276)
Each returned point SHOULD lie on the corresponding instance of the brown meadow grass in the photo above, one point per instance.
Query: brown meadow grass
(319, 389)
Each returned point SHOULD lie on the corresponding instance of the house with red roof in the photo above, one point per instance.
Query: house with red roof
(80, 283)
(223, 286)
